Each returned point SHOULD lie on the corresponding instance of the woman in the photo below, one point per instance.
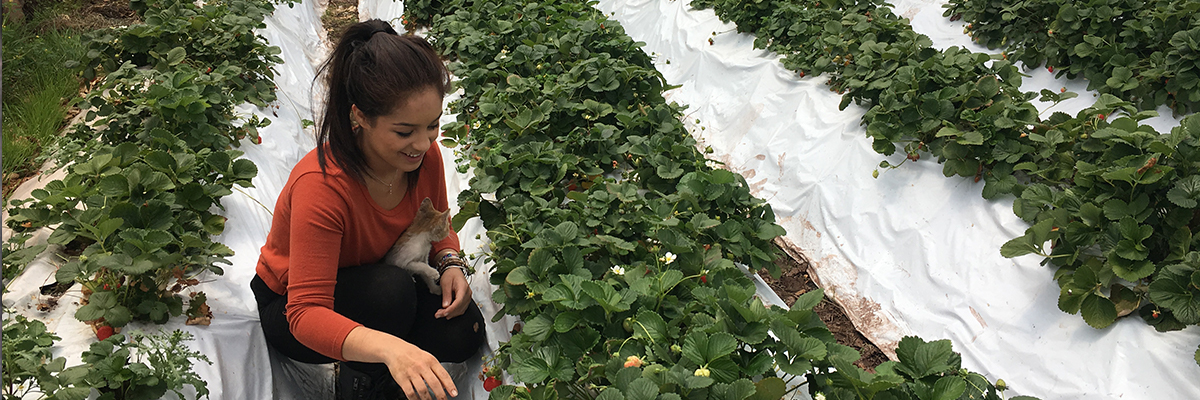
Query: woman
(322, 297)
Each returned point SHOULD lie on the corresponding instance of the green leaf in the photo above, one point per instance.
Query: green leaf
(1131, 270)
(1018, 246)
(1122, 80)
(641, 389)
(772, 388)
(1185, 192)
(1173, 289)
(1099, 312)
(610, 393)
(540, 262)
(605, 81)
(920, 359)
(519, 276)
(946, 388)
(740, 389)
(567, 231)
(89, 312)
(809, 300)
(702, 349)
(175, 56)
(650, 325)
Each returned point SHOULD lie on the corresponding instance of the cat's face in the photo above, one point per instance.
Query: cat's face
(429, 219)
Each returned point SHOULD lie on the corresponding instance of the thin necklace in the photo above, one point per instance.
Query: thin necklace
(389, 185)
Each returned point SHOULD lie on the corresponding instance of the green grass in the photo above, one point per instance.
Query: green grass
(37, 91)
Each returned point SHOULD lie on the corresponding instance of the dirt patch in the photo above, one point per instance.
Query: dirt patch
(339, 15)
(795, 281)
(92, 15)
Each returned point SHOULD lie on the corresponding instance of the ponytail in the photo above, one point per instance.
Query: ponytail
(377, 70)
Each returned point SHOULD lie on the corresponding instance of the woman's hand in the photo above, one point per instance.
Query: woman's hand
(456, 294)
(411, 367)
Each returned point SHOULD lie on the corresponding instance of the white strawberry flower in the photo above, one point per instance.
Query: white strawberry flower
(619, 270)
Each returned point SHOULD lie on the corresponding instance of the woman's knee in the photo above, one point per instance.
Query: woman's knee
(464, 336)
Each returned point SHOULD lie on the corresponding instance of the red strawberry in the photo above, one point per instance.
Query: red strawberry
(1102, 116)
(490, 383)
(704, 278)
(258, 140)
(1051, 69)
(104, 332)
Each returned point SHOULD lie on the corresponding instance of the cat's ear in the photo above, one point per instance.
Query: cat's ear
(427, 205)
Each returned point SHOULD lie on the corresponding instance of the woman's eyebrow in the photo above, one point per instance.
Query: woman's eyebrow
(439, 117)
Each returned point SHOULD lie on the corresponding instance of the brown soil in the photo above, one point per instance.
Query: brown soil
(91, 15)
(340, 15)
(795, 281)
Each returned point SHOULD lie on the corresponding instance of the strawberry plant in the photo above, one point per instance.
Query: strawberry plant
(29, 366)
(153, 157)
(1114, 198)
(625, 254)
(142, 368)
(145, 175)
(1146, 52)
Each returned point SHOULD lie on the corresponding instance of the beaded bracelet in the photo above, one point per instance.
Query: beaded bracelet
(452, 260)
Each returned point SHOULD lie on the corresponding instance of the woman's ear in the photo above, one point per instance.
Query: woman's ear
(356, 116)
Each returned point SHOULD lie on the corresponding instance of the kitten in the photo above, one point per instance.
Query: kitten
(411, 251)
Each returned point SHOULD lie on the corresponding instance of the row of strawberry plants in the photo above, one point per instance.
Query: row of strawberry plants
(615, 240)
(1117, 200)
(153, 157)
(145, 173)
(1147, 52)
(143, 368)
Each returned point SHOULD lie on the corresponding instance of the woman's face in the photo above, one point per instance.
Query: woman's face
(398, 141)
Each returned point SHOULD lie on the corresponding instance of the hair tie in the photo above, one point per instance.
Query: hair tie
(377, 30)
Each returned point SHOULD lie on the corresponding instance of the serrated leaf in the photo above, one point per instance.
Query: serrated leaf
(772, 388)
(808, 300)
(176, 55)
(650, 325)
(608, 394)
(1098, 311)
(1017, 247)
(641, 389)
(519, 276)
(920, 359)
(1185, 192)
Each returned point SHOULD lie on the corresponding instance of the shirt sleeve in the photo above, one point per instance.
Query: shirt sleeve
(318, 221)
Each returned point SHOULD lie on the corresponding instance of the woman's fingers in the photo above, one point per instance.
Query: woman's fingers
(456, 294)
(462, 298)
(426, 370)
(443, 383)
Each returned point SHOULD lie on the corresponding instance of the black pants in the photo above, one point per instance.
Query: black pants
(381, 297)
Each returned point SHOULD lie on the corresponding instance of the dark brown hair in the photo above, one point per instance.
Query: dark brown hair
(377, 70)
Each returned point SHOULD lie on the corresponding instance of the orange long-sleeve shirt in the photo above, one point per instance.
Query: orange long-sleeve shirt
(326, 222)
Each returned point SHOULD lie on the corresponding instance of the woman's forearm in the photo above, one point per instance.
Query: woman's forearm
(364, 344)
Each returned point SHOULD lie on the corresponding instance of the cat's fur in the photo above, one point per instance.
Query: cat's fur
(411, 251)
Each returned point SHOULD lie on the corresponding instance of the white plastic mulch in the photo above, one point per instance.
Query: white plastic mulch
(912, 252)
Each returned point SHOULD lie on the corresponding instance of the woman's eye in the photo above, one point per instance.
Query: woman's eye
(404, 134)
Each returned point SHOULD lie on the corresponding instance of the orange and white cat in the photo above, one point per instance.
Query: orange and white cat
(411, 251)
